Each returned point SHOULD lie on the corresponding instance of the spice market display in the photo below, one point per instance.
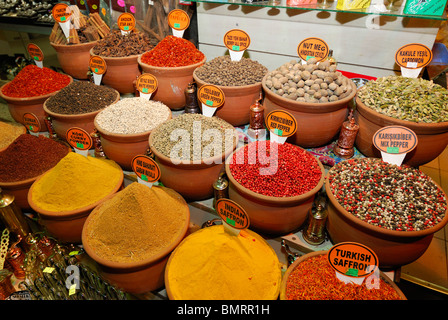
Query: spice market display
(137, 212)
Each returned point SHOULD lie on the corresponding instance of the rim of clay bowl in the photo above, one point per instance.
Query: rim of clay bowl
(251, 232)
(114, 61)
(254, 86)
(132, 136)
(196, 163)
(384, 231)
(64, 215)
(24, 132)
(138, 264)
(271, 199)
(74, 45)
(306, 256)
(384, 120)
(35, 98)
(79, 115)
(190, 66)
(311, 107)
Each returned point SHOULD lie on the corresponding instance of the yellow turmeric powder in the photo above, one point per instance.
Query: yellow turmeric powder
(75, 182)
(212, 264)
(137, 223)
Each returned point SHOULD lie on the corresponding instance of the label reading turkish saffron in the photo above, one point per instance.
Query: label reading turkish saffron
(236, 40)
(146, 168)
(79, 139)
(352, 259)
(97, 65)
(61, 12)
(35, 52)
(232, 214)
(126, 22)
(281, 123)
(146, 83)
(211, 96)
(413, 56)
(31, 122)
(395, 139)
(313, 48)
(178, 19)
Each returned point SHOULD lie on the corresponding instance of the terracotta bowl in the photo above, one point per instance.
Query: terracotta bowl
(273, 215)
(66, 226)
(393, 248)
(171, 82)
(63, 122)
(138, 277)
(19, 106)
(294, 265)
(192, 179)
(74, 58)
(432, 137)
(317, 123)
(122, 148)
(238, 99)
(120, 72)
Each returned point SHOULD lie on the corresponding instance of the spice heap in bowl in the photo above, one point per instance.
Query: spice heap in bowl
(172, 62)
(395, 210)
(132, 234)
(415, 103)
(9, 131)
(211, 264)
(239, 80)
(311, 277)
(191, 150)
(29, 89)
(77, 105)
(24, 160)
(275, 184)
(315, 93)
(125, 126)
(65, 195)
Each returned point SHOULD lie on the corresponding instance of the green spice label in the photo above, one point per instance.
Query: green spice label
(395, 140)
(232, 214)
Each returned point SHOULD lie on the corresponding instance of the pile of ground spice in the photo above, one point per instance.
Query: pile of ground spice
(29, 156)
(81, 97)
(9, 131)
(33, 81)
(137, 223)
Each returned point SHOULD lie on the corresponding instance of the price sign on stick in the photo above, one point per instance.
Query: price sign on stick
(36, 54)
(79, 139)
(62, 13)
(395, 142)
(126, 23)
(32, 123)
(313, 48)
(281, 124)
(233, 215)
(146, 169)
(237, 41)
(211, 98)
(179, 21)
(412, 58)
(146, 84)
(98, 67)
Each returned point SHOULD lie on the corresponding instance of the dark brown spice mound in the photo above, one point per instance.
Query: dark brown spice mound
(117, 45)
(29, 156)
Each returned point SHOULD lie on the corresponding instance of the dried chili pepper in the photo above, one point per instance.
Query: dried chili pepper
(173, 52)
(33, 81)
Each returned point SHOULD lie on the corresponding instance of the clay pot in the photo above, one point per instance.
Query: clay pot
(432, 137)
(137, 277)
(317, 123)
(192, 179)
(74, 58)
(393, 248)
(120, 72)
(172, 82)
(66, 226)
(294, 265)
(238, 99)
(63, 122)
(122, 148)
(273, 215)
(19, 106)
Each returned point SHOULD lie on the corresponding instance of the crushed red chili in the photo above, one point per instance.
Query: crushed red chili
(29, 156)
(276, 170)
(173, 52)
(33, 81)
(315, 279)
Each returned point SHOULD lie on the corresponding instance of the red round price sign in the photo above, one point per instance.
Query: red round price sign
(232, 214)
(146, 168)
(79, 139)
(352, 259)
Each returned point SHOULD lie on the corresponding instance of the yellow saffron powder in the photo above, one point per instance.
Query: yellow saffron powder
(75, 182)
(211, 264)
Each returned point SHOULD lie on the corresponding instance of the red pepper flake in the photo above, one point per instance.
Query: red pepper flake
(33, 81)
(315, 279)
(173, 52)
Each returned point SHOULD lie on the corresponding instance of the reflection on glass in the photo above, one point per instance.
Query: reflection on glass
(391, 6)
(324, 4)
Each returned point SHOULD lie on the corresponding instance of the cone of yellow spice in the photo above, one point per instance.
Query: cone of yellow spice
(213, 264)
